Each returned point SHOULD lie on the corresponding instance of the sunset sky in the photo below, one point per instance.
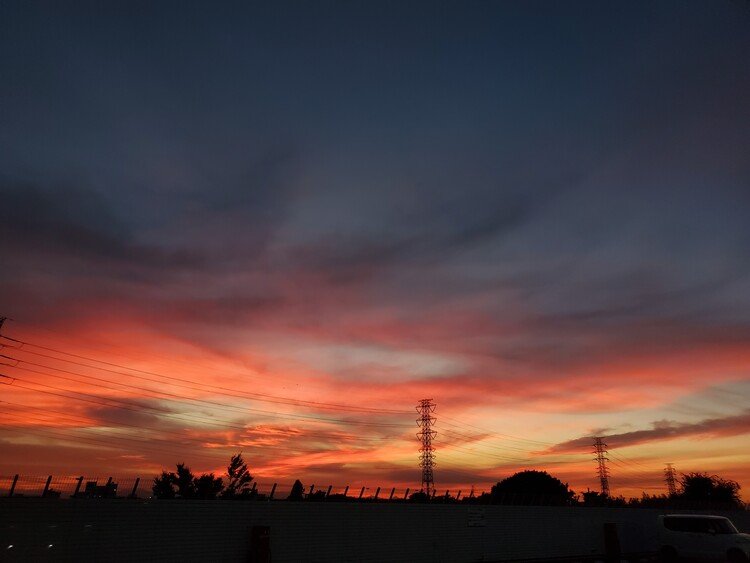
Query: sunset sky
(273, 228)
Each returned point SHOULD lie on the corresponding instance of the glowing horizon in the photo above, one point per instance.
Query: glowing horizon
(296, 441)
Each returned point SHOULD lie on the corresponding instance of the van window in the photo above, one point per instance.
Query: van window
(699, 525)
(679, 524)
(723, 526)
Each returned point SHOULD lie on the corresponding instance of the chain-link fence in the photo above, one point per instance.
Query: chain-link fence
(56, 486)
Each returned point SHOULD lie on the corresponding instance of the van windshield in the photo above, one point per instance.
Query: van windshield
(724, 526)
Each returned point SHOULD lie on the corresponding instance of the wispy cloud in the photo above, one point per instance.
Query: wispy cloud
(663, 430)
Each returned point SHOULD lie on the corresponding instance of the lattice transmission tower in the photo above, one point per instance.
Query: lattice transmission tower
(600, 449)
(426, 434)
(670, 479)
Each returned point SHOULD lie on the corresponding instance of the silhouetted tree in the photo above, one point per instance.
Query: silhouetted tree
(532, 487)
(594, 498)
(651, 501)
(208, 486)
(164, 485)
(419, 496)
(238, 478)
(184, 481)
(298, 491)
(702, 487)
(169, 485)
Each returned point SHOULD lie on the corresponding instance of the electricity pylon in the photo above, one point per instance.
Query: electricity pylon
(600, 449)
(426, 452)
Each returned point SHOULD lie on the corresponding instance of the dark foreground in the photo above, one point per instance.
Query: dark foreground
(177, 530)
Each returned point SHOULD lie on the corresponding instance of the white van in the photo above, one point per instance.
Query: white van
(702, 537)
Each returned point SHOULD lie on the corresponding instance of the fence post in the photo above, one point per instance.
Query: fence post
(78, 486)
(46, 486)
(447, 493)
(458, 496)
(312, 488)
(346, 490)
(134, 493)
(406, 494)
(361, 492)
(393, 490)
(377, 492)
(273, 490)
(255, 487)
(328, 492)
(13, 485)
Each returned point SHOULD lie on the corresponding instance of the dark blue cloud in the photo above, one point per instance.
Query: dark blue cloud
(563, 167)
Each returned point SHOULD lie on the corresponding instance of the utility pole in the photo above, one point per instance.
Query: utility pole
(426, 452)
(669, 479)
(600, 449)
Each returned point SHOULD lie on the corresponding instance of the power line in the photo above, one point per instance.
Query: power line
(633, 461)
(143, 444)
(125, 405)
(162, 431)
(183, 382)
(508, 436)
(631, 466)
(167, 394)
(465, 436)
(225, 391)
(64, 339)
(484, 437)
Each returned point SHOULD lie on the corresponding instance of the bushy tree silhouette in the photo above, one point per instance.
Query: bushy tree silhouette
(652, 501)
(419, 496)
(184, 481)
(532, 487)
(594, 498)
(298, 491)
(702, 487)
(238, 478)
(163, 485)
(208, 486)
(183, 484)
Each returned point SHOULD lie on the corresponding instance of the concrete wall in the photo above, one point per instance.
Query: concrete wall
(132, 530)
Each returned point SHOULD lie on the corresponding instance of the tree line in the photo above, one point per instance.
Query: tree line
(695, 489)
(523, 487)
